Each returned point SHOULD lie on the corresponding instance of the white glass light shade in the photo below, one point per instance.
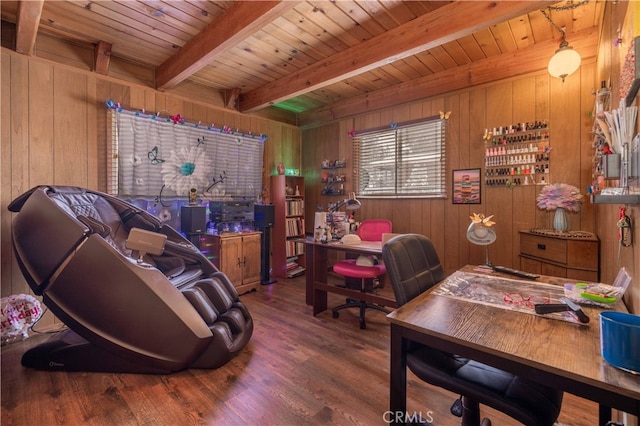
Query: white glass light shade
(480, 234)
(564, 62)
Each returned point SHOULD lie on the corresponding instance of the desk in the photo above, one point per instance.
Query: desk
(317, 267)
(556, 353)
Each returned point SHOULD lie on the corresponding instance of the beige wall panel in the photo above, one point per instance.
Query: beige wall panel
(477, 125)
(435, 228)
(199, 93)
(41, 130)
(457, 154)
(416, 111)
(137, 98)
(174, 106)
(564, 162)
(93, 108)
(73, 54)
(8, 267)
(126, 71)
(70, 129)
(198, 114)
(499, 104)
(215, 117)
(524, 110)
(587, 105)
(18, 109)
(471, 157)
(524, 100)
(542, 113)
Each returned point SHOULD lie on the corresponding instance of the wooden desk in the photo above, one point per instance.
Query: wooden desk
(556, 353)
(317, 267)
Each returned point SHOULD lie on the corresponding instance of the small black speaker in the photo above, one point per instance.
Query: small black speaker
(193, 219)
(263, 215)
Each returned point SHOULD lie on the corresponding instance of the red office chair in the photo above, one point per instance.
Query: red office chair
(369, 230)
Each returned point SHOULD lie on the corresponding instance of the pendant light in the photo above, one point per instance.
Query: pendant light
(565, 61)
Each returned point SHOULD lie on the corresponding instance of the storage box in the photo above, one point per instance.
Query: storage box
(620, 340)
(634, 165)
(611, 166)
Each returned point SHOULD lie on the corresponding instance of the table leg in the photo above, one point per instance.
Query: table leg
(309, 273)
(320, 266)
(397, 376)
(604, 415)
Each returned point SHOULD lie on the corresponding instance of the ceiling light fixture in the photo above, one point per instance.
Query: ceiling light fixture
(566, 60)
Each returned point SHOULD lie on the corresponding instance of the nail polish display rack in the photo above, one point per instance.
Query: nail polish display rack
(517, 155)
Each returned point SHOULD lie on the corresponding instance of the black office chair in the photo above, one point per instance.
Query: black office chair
(412, 268)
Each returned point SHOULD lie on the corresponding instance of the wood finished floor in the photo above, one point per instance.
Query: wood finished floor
(296, 370)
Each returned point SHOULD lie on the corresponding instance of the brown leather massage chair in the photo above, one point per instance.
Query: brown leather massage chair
(136, 295)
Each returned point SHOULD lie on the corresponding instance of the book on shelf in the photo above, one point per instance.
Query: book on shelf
(295, 207)
(294, 248)
(295, 272)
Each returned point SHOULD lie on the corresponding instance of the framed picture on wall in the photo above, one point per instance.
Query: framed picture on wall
(466, 186)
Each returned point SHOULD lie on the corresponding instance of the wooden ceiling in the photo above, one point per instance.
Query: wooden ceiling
(319, 59)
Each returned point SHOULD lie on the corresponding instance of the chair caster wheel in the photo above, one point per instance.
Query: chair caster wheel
(335, 314)
(362, 325)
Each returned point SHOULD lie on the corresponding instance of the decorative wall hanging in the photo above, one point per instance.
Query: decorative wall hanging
(466, 186)
(164, 157)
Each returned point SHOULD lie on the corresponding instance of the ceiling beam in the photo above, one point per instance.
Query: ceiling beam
(240, 21)
(487, 70)
(102, 53)
(27, 24)
(445, 24)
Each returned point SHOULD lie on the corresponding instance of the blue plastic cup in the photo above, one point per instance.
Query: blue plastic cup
(620, 340)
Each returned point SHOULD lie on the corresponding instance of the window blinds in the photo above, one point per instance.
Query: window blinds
(407, 160)
(155, 156)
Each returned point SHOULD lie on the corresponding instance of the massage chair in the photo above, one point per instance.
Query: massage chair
(136, 295)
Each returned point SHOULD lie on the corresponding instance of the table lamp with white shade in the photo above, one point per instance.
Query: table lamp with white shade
(481, 232)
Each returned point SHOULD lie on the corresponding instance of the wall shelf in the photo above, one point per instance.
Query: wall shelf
(517, 155)
(616, 199)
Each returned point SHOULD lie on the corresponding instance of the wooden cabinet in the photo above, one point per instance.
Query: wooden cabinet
(238, 256)
(287, 196)
(574, 256)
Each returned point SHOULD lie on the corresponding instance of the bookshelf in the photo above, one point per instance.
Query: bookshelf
(287, 196)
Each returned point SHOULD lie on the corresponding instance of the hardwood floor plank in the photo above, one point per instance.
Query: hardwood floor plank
(296, 370)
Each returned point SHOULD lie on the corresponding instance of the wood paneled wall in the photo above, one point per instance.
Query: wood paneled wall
(535, 96)
(54, 133)
(624, 16)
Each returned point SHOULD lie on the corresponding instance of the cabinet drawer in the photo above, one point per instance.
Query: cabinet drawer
(583, 254)
(544, 247)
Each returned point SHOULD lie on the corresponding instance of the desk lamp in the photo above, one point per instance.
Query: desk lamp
(480, 232)
(350, 203)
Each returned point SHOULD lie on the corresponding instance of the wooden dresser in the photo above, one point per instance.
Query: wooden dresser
(574, 255)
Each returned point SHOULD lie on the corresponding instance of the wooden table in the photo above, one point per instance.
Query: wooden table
(317, 266)
(557, 353)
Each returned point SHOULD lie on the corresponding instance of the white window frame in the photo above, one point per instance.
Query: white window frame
(401, 161)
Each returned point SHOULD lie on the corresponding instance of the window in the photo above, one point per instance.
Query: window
(403, 161)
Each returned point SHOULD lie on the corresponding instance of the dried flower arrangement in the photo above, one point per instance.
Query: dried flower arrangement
(560, 195)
